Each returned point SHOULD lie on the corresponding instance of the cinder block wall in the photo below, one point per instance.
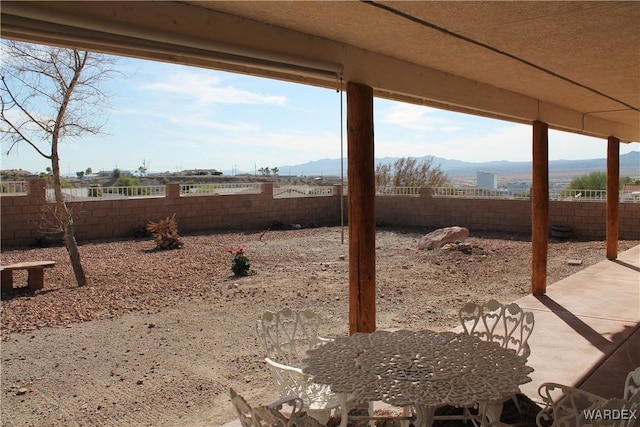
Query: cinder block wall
(20, 215)
(23, 215)
(587, 220)
(512, 216)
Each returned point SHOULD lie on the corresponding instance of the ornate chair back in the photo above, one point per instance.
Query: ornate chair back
(265, 416)
(632, 384)
(286, 335)
(571, 406)
(507, 325)
(242, 408)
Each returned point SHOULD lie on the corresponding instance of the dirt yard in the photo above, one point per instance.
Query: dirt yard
(157, 338)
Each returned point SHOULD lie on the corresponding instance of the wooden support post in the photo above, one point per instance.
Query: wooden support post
(361, 215)
(540, 208)
(613, 196)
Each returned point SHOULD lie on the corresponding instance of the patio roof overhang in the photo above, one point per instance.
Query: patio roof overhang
(572, 65)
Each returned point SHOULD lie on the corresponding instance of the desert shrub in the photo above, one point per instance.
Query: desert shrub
(410, 172)
(628, 180)
(133, 185)
(127, 181)
(596, 180)
(95, 190)
(240, 265)
(165, 233)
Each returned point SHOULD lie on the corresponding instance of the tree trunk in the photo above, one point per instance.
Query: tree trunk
(72, 247)
(65, 219)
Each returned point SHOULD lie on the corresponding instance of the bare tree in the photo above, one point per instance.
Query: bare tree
(142, 170)
(410, 172)
(48, 94)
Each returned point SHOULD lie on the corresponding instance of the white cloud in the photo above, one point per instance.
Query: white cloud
(206, 89)
(416, 117)
(193, 119)
(190, 121)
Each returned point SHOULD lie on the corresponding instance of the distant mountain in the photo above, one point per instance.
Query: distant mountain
(322, 167)
(627, 161)
(331, 167)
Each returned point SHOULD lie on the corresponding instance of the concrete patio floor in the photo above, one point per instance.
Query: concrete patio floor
(587, 329)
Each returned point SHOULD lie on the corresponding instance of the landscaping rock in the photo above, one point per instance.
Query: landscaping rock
(442, 236)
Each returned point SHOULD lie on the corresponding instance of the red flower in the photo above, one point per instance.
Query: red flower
(240, 250)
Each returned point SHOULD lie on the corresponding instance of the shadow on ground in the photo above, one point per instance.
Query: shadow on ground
(510, 415)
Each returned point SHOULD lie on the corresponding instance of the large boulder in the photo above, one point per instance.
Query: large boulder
(442, 236)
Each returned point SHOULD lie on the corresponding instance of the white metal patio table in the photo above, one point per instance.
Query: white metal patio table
(420, 369)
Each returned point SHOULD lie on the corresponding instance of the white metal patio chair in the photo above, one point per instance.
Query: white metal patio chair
(286, 336)
(632, 384)
(507, 325)
(567, 409)
(575, 407)
(265, 416)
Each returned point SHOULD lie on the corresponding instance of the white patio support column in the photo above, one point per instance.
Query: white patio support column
(540, 208)
(362, 214)
(613, 196)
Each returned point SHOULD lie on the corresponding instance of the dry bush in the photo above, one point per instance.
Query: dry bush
(410, 172)
(165, 233)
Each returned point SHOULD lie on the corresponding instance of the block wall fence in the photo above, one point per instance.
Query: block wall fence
(587, 220)
(110, 219)
(22, 216)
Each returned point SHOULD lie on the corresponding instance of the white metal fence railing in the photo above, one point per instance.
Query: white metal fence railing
(14, 187)
(478, 193)
(578, 195)
(230, 188)
(111, 193)
(630, 197)
(284, 191)
(564, 195)
(302, 191)
(398, 191)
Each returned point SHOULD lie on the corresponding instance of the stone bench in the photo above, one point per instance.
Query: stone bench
(35, 269)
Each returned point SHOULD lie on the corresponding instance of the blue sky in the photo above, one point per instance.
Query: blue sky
(175, 117)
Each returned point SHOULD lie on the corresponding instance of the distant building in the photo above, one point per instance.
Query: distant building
(630, 193)
(200, 172)
(487, 180)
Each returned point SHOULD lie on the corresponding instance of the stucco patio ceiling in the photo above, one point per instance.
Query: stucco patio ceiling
(574, 65)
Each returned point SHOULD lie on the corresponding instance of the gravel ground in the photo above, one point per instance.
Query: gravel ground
(157, 338)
